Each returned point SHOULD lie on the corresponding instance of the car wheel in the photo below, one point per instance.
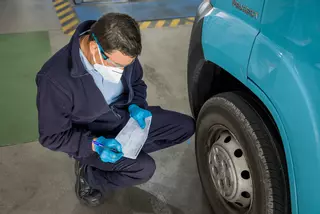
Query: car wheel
(240, 160)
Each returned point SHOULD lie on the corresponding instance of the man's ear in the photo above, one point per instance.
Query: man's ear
(93, 47)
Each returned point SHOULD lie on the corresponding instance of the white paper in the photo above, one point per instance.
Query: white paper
(132, 137)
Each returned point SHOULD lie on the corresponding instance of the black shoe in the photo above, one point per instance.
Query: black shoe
(86, 195)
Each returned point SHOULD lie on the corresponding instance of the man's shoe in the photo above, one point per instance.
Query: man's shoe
(86, 195)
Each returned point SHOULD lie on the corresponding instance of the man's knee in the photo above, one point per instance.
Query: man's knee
(147, 167)
(189, 126)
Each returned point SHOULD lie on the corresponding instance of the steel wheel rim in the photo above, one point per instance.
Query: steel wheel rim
(229, 170)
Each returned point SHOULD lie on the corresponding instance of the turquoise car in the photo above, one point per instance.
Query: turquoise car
(254, 89)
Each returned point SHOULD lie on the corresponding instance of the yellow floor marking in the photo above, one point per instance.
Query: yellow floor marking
(145, 24)
(160, 23)
(72, 15)
(57, 2)
(174, 22)
(64, 12)
(71, 33)
(70, 25)
(62, 6)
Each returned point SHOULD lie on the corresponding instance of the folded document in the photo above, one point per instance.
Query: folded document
(132, 137)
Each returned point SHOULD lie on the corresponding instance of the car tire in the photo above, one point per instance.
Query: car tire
(240, 159)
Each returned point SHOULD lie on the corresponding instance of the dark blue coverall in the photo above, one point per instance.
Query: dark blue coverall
(72, 110)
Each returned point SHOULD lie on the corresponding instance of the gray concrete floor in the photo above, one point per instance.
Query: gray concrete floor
(27, 15)
(35, 180)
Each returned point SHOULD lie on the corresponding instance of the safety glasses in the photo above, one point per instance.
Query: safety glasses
(105, 57)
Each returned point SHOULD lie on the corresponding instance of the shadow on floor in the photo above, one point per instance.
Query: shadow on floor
(36, 180)
(131, 201)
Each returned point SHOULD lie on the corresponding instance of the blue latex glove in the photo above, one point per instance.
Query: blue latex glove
(109, 150)
(139, 114)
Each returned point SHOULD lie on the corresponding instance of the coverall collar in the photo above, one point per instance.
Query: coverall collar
(77, 67)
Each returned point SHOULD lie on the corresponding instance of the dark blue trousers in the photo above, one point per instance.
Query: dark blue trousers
(167, 129)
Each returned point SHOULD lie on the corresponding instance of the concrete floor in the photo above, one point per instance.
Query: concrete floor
(35, 180)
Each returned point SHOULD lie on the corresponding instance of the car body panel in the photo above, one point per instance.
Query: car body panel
(285, 65)
(229, 33)
(219, 44)
(247, 10)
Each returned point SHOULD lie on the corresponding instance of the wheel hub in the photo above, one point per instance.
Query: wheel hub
(229, 170)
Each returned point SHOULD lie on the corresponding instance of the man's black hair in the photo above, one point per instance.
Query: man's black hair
(116, 31)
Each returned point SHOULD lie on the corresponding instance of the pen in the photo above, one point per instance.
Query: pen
(98, 144)
(101, 145)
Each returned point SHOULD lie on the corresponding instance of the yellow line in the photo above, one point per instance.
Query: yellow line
(67, 18)
(71, 33)
(160, 23)
(64, 12)
(189, 23)
(62, 6)
(145, 25)
(191, 18)
(57, 2)
(70, 25)
(174, 22)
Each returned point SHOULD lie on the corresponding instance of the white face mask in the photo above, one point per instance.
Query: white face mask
(109, 73)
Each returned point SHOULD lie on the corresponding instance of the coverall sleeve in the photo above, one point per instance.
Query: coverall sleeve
(139, 87)
(55, 126)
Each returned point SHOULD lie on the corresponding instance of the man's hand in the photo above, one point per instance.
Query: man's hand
(139, 114)
(109, 150)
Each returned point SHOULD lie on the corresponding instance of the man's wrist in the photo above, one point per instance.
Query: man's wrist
(132, 107)
(92, 144)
